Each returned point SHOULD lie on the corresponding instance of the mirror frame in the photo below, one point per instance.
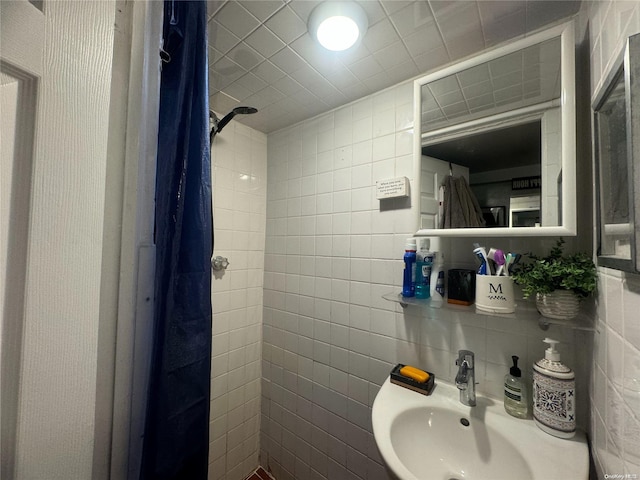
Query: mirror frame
(568, 121)
(627, 66)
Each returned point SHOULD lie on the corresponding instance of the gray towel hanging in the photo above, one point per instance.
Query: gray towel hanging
(460, 206)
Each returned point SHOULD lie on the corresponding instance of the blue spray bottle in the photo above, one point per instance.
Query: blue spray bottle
(409, 276)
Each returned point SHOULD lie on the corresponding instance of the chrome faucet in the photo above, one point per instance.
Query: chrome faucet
(466, 378)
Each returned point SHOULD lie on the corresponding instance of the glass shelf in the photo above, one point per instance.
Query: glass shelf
(526, 310)
(404, 301)
(581, 322)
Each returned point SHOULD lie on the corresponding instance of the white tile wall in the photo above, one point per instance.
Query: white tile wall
(330, 339)
(239, 168)
(615, 381)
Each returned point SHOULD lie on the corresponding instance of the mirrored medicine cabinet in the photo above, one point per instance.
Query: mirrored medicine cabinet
(616, 127)
(505, 121)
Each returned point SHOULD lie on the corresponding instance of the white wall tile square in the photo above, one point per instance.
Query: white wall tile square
(382, 247)
(342, 180)
(324, 182)
(341, 245)
(340, 290)
(339, 357)
(382, 271)
(342, 201)
(384, 147)
(362, 153)
(360, 269)
(325, 142)
(362, 129)
(340, 268)
(341, 224)
(324, 203)
(361, 200)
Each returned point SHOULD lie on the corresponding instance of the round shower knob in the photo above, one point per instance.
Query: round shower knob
(219, 263)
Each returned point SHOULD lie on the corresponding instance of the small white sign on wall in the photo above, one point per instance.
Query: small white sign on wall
(392, 188)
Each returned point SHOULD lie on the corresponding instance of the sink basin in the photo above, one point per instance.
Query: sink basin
(436, 437)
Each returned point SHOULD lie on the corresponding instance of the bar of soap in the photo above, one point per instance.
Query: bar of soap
(414, 373)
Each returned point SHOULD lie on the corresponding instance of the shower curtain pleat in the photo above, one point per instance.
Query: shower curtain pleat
(176, 439)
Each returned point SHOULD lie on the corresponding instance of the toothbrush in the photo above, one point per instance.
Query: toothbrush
(482, 256)
(515, 258)
(492, 257)
(498, 257)
(507, 264)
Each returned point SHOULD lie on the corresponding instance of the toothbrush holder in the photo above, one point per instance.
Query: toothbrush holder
(494, 294)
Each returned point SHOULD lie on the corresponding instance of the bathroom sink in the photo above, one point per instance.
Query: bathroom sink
(436, 437)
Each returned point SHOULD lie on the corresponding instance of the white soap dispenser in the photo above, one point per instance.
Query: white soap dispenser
(554, 399)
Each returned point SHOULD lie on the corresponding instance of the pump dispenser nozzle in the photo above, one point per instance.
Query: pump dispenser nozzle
(515, 371)
(551, 353)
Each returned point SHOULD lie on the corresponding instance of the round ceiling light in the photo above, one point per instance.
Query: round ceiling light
(338, 26)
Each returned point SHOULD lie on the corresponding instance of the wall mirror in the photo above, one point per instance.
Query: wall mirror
(616, 127)
(504, 121)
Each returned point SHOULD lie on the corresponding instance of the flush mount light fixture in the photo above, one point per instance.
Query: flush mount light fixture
(338, 25)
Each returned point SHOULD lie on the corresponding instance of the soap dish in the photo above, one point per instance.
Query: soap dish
(424, 388)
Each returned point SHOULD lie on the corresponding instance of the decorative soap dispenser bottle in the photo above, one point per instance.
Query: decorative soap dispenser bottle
(554, 399)
(515, 392)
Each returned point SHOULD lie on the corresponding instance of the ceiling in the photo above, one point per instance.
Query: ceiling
(261, 55)
(530, 76)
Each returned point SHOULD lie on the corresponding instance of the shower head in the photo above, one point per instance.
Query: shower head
(218, 124)
(244, 110)
(236, 111)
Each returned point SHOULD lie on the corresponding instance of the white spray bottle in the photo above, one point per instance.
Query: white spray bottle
(437, 271)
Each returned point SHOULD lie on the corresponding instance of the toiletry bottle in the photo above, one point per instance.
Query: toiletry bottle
(515, 392)
(437, 275)
(424, 263)
(554, 398)
(436, 287)
(409, 276)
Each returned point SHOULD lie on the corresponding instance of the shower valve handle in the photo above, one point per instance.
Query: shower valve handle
(219, 263)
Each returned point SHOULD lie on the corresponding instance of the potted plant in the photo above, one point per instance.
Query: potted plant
(559, 282)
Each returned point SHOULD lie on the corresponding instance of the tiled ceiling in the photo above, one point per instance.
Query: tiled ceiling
(261, 54)
(527, 77)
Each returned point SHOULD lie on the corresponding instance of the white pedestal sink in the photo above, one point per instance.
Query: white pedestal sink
(436, 437)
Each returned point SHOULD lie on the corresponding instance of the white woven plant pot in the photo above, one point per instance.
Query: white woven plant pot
(559, 304)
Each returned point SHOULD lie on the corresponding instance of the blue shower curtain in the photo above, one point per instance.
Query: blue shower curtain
(176, 439)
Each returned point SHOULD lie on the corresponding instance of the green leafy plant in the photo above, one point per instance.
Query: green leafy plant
(575, 272)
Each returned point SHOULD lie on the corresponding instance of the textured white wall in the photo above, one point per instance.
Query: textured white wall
(239, 170)
(615, 383)
(58, 369)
